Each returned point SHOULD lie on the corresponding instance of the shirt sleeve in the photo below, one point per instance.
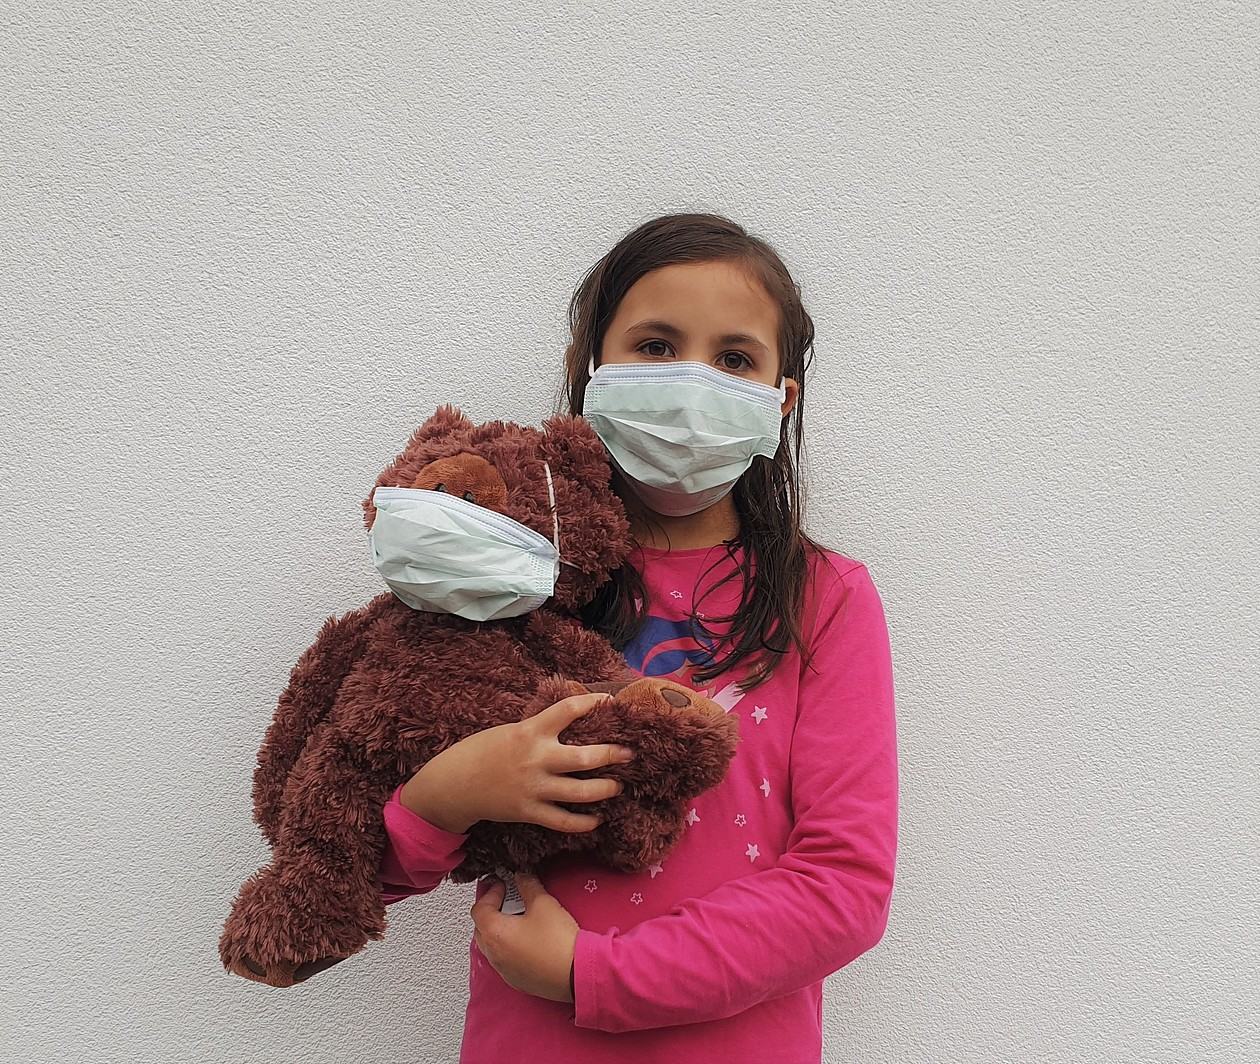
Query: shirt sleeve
(418, 854)
(826, 900)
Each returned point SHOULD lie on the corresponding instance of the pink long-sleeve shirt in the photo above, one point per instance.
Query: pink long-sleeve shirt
(784, 874)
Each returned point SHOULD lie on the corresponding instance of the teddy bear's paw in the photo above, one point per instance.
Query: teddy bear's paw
(669, 698)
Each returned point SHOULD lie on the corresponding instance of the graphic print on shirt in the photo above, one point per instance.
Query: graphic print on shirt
(674, 649)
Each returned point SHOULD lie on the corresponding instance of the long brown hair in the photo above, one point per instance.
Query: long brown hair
(769, 497)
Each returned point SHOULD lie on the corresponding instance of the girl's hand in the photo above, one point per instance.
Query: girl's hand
(515, 773)
(533, 950)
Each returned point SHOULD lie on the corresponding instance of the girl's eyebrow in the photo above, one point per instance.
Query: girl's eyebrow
(675, 333)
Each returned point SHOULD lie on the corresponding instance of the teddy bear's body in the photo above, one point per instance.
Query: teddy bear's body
(385, 688)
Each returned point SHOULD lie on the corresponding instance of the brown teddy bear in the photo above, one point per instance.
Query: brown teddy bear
(389, 685)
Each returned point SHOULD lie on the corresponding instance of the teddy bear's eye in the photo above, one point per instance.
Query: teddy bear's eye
(439, 487)
(469, 496)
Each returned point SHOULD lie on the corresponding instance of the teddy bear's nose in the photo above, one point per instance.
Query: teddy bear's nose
(466, 475)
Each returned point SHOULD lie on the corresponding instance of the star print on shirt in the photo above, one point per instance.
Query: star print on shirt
(740, 819)
(752, 851)
(692, 815)
(591, 886)
(675, 594)
(655, 869)
(765, 786)
(637, 898)
(759, 714)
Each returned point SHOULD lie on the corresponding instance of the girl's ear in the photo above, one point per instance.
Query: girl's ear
(791, 391)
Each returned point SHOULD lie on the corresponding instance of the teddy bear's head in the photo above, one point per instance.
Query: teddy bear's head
(503, 466)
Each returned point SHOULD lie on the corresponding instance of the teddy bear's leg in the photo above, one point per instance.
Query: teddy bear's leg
(319, 901)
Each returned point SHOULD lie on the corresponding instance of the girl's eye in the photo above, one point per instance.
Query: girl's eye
(728, 360)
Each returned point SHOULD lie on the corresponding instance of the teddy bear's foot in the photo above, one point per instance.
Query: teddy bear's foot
(669, 698)
(687, 739)
(282, 964)
(275, 938)
(644, 692)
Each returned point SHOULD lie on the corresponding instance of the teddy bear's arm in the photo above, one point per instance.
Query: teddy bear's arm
(302, 707)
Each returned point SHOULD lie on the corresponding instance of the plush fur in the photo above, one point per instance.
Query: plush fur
(384, 688)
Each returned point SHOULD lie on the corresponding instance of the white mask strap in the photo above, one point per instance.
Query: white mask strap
(555, 515)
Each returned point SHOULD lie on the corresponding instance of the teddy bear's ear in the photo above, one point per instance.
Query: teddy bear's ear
(572, 447)
(445, 420)
(594, 531)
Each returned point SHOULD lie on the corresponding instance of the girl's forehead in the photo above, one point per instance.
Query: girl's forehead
(701, 298)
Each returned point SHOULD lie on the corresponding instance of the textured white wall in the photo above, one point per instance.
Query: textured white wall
(243, 250)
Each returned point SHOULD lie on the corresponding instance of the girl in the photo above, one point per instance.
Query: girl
(688, 356)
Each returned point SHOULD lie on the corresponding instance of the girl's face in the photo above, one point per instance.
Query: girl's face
(711, 312)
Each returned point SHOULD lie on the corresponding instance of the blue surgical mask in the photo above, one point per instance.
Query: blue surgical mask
(442, 554)
(682, 433)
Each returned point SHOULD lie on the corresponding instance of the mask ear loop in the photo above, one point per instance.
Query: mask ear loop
(555, 514)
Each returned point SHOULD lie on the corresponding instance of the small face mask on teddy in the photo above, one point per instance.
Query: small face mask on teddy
(442, 554)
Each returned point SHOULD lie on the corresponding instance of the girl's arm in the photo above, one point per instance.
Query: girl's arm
(826, 901)
(418, 854)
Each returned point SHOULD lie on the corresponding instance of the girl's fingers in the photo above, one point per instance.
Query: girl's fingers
(566, 758)
(570, 789)
(558, 819)
(559, 715)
